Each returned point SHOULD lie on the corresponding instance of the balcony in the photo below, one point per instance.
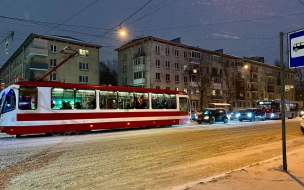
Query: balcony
(253, 80)
(217, 97)
(34, 51)
(216, 86)
(270, 82)
(137, 82)
(139, 54)
(269, 75)
(240, 97)
(193, 84)
(37, 66)
(254, 70)
(139, 67)
(270, 90)
(255, 89)
(193, 60)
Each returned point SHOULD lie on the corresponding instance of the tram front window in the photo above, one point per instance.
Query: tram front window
(8, 101)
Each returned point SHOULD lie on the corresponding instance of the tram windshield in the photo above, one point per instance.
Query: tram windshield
(8, 101)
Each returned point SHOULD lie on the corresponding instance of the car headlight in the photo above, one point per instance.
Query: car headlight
(249, 114)
(301, 112)
(196, 116)
(206, 117)
(238, 115)
(272, 115)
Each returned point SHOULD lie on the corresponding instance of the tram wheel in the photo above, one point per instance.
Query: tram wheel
(56, 134)
(17, 136)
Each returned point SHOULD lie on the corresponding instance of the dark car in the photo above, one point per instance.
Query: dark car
(301, 112)
(211, 115)
(235, 115)
(252, 114)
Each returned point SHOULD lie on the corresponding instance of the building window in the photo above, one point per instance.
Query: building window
(157, 76)
(176, 78)
(167, 77)
(157, 63)
(167, 64)
(156, 49)
(185, 79)
(53, 77)
(167, 88)
(53, 62)
(176, 52)
(124, 80)
(124, 56)
(140, 50)
(157, 87)
(195, 54)
(167, 51)
(185, 54)
(83, 79)
(83, 53)
(83, 66)
(53, 48)
(176, 88)
(139, 75)
(124, 67)
(176, 66)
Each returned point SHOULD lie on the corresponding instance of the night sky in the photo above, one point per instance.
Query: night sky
(240, 27)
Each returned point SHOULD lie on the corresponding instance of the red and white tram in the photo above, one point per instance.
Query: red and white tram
(35, 107)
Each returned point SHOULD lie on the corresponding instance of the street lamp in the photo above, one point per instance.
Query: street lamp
(194, 71)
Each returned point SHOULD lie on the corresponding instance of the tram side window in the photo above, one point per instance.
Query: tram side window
(27, 98)
(141, 100)
(62, 98)
(158, 101)
(85, 99)
(125, 100)
(170, 101)
(183, 104)
(108, 99)
(10, 101)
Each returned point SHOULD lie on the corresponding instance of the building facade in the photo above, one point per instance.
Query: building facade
(207, 76)
(39, 54)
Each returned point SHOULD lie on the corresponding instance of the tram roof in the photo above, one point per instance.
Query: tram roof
(96, 87)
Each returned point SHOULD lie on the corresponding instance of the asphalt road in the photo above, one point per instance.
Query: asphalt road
(162, 158)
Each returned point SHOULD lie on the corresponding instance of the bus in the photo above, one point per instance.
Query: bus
(55, 108)
(273, 108)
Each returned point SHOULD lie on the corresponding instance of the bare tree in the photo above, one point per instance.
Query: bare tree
(299, 79)
(202, 79)
(228, 77)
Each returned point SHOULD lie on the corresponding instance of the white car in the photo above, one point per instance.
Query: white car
(302, 124)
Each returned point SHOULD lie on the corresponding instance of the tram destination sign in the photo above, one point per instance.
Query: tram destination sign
(296, 47)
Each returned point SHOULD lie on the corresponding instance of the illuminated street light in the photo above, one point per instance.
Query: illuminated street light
(194, 71)
(246, 66)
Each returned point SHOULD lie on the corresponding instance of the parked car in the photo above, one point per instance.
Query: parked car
(235, 115)
(252, 114)
(301, 112)
(211, 115)
(302, 124)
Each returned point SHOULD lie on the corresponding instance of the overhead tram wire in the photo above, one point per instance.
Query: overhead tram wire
(151, 12)
(72, 16)
(123, 21)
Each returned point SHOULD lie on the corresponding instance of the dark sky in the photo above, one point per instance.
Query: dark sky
(240, 27)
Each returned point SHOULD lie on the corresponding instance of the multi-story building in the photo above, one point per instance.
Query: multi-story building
(39, 54)
(157, 63)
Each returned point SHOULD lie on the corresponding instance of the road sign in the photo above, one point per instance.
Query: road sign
(296, 49)
(287, 87)
(6, 47)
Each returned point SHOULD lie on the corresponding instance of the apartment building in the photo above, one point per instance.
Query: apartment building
(39, 54)
(162, 64)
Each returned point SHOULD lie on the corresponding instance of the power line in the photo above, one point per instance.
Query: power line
(301, 2)
(72, 16)
(123, 20)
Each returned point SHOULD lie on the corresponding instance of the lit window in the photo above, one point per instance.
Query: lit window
(83, 53)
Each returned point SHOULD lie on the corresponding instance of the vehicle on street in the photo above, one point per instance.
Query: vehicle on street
(302, 124)
(55, 108)
(211, 115)
(235, 115)
(252, 114)
(301, 112)
(273, 108)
